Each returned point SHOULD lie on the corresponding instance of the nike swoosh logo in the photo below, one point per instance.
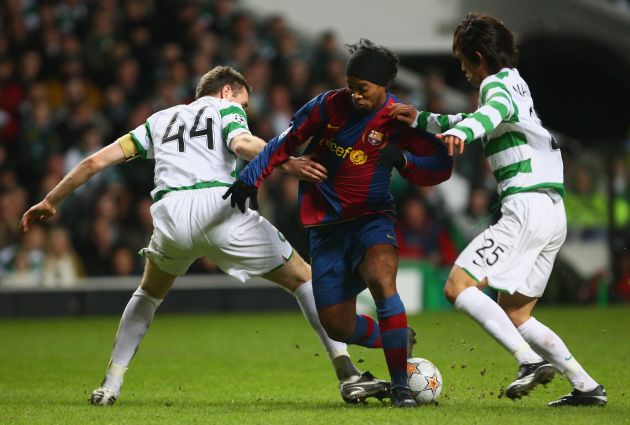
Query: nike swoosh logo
(568, 358)
(390, 237)
(332, 126)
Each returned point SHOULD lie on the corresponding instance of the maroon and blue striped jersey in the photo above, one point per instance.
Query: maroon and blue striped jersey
(347, 143)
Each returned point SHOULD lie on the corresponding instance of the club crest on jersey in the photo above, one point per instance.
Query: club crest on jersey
(375, 138)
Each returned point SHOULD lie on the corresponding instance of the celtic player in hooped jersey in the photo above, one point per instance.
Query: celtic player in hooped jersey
(195, 148)
(522, 154)
(191, 150)
(516, 255)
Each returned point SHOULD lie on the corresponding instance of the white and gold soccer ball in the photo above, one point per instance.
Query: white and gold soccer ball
(425, 380)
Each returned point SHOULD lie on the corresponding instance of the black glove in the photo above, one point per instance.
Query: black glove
(240, 193)
(391, 156)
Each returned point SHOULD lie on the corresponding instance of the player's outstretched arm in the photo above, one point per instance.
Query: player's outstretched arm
(423, 120)
(246, 146)
(109, 155)
(497, 107)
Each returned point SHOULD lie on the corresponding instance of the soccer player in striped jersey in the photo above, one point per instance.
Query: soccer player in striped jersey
(350, 216)
(516, 255)
(195, 148)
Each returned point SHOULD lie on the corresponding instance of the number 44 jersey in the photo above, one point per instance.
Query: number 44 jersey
(190, 144)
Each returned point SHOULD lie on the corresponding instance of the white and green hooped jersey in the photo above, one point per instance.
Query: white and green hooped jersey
(190, 144)
(523, 155)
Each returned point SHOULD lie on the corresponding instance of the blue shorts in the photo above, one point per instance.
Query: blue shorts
(338, 249)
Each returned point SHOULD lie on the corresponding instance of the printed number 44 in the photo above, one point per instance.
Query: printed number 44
(194, 131)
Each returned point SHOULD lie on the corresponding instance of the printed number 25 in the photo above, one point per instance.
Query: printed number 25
(493, 256)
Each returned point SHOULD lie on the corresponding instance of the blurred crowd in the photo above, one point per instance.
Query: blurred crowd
(77, 74)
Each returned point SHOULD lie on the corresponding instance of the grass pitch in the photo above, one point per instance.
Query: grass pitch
(271, 369)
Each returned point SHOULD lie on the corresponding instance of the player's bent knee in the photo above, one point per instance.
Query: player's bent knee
(450, 291)
(517, 317)
(517, 306)
(302, 268)
(335, 328)
(457, 281)
(155, 281)
(291, 274)
(337, 332)
(381, 290)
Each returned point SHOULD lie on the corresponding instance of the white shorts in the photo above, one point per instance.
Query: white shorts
(189, 224)
(517, 253)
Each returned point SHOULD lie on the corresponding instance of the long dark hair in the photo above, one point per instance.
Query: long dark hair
(488, 36)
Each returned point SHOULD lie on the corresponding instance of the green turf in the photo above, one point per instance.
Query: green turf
(269, 368)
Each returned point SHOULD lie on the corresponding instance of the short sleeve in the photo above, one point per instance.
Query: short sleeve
(143, 140)
(233, 122)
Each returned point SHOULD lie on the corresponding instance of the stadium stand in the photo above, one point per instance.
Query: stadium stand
(76, 75)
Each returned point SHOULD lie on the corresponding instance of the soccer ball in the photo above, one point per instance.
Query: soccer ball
(425, 380)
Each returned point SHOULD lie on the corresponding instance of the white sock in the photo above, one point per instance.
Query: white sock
(495, 321)
(134, 323)
(304, 296)
(549, 344)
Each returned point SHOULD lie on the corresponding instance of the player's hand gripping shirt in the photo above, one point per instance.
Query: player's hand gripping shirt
(347, 144)
(190, 144)
(522, 154)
